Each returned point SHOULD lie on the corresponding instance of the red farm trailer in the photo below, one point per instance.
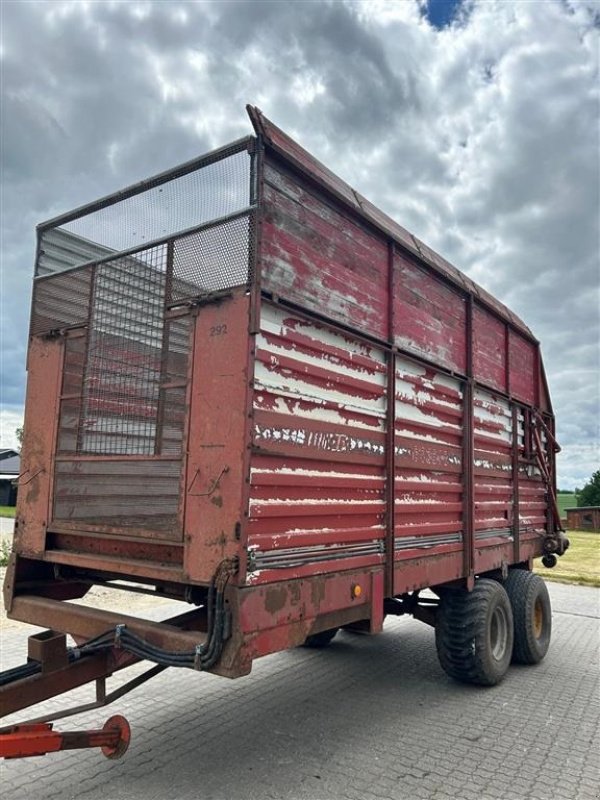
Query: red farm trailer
(252, 391)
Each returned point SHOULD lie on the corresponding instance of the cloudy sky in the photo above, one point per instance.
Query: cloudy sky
(474, 124)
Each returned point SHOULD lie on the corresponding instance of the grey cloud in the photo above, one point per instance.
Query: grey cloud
(363, 93)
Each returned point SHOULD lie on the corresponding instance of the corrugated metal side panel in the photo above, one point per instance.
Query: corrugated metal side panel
(428, 441)
(61, 301)
(317, 499)
(114, 492)
(489, 349)
(292, 151)
(522, 360)
(429, 315)
(533, 502)
(492, 433)
(316, 256)
(61, 249)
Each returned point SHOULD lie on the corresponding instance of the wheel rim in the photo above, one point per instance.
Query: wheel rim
(538, 618)
(499, 633)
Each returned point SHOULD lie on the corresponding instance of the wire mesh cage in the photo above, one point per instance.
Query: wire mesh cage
(109, 276)
(198, 193)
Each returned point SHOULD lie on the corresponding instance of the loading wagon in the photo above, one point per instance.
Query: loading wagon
(251, 391)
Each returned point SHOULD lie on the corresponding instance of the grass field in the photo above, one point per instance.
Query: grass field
(565, 500)
(580, 564)
(7, 511)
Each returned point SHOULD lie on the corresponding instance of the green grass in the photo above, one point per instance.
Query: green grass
(5, 550)
(566, 500)
(7, 511)
(580, 564)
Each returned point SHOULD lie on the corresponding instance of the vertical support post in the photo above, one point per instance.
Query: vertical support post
(390, 462)
(216, 466)
(44, 380)
(468, 456)
(84, 367)
(553, 451)
(390, 466)
(186, 443)
(164, 349)
(256, 195)
(516, 521)
(527, 433)
(507, 359)
(377, 600)
(538, 378)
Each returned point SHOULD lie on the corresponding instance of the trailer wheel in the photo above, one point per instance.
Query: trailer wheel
(532, 615)
(474, 633)
(322, 639)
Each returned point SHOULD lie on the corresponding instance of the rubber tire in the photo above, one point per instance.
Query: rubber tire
(319, 640)
(463, 633)
(524, 590)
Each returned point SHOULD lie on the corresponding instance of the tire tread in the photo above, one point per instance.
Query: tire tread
(322, 639)
(522, 588)
(460, 631)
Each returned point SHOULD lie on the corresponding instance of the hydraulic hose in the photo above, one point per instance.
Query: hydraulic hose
(203, 657)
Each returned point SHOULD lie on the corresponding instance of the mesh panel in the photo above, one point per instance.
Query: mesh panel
(73, 365)
(140, 494)
(207, 193)
(122, 379)
(72, 386)
(68, 426)
(61, 301)
(212, 259)
(172, 421)
(124, 383)
(123, 405)
(178, 345)
(172, 400)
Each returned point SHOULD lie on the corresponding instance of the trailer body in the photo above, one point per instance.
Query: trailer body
(242, 361)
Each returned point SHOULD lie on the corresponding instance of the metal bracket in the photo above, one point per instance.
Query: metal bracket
(31, 477)
(213, 485)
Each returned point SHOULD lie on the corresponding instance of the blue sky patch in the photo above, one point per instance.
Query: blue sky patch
(441, 13)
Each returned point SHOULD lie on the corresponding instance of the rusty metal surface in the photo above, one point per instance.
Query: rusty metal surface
(215, 477)
(317, 475)
(429, 460)
(490, 357)
(36, 688)
(429, 315)
(122, 397)
(85, 622)
(492, 418)
(301, 159)
(340, 269)
(533, 502)
(112, 304)
(524, 378)
(44, 362)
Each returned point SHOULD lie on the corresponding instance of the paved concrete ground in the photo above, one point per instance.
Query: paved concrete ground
(7, 526)
(366, 718)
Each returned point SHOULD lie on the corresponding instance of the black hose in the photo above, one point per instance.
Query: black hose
(20, 672)
(203, 657)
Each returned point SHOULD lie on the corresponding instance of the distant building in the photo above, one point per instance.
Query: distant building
(585, 518)
(10, 463)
